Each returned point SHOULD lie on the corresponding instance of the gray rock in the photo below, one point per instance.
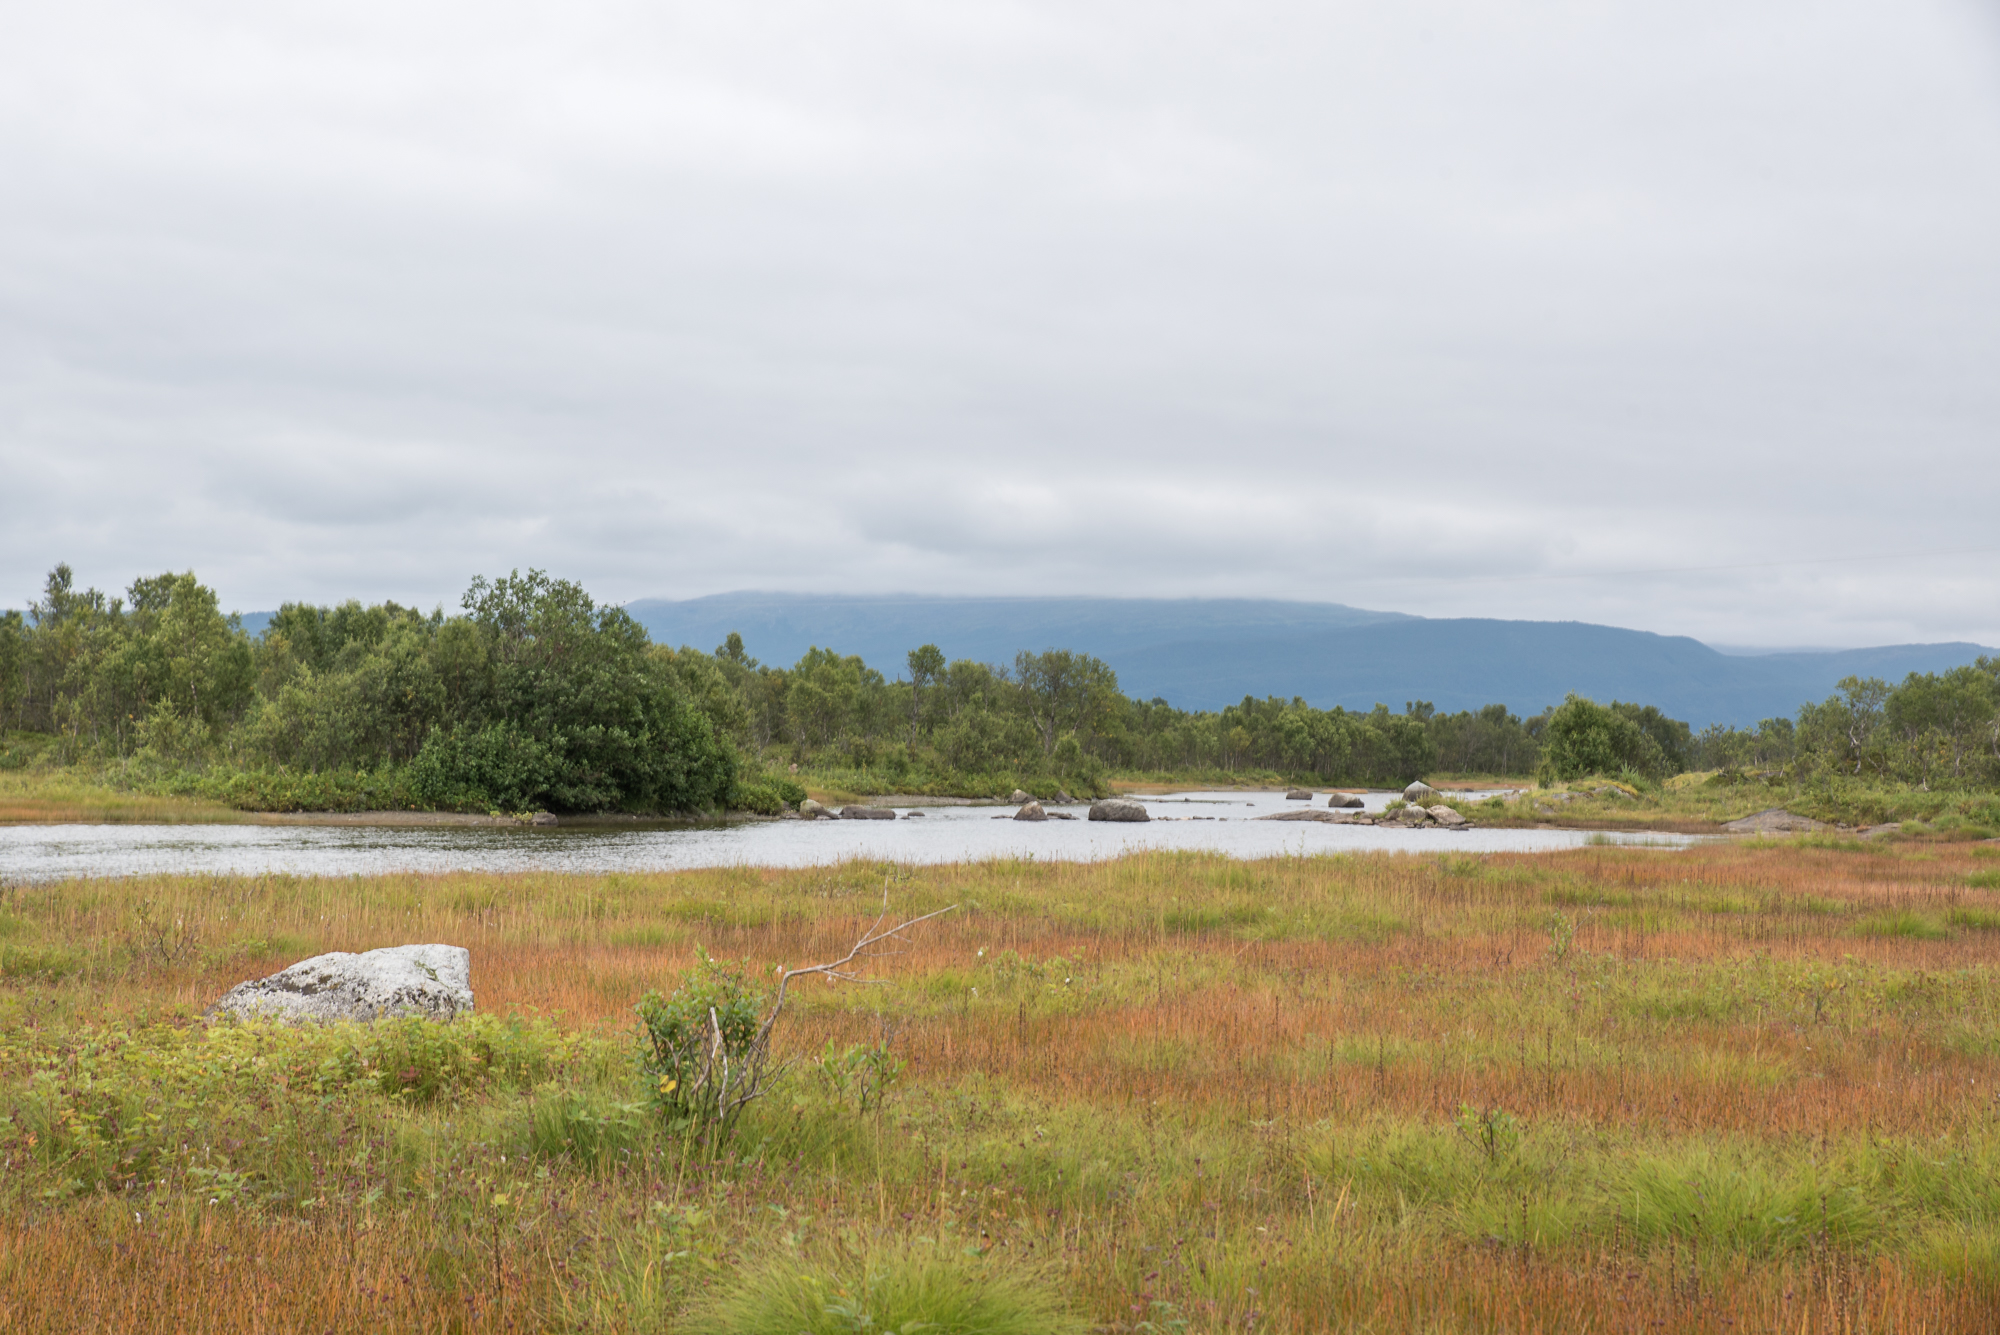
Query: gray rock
(1062, 796)
(867, 813)
(543, 818)
(1775, 821)
(1118, 808)
(1017, 797)
(1413, 816)
(812, 810)
(433, 982)
(914, 815)
(1347, 800)
(1419, 793)
(1031, 810)
(1298, 795)
(1312, 814)
(1444, 815)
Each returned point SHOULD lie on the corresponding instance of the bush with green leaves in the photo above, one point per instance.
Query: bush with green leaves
(702, 1049)
(1583, 737)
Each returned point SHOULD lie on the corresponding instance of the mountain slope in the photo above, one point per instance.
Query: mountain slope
(1207, 653)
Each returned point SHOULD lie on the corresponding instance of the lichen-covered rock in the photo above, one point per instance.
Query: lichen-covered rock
(812, 810)
(1444, 815)
(432, 982)
(1118, 808)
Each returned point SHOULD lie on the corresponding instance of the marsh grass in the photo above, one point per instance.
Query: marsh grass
(1754, 1089)
(904, 1287)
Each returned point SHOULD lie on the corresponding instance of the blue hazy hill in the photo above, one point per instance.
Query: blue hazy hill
(778, 628)
(1207, 653)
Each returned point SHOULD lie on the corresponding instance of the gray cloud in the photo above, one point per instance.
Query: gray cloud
(1448, 307)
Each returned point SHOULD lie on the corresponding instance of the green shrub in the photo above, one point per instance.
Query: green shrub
(766, 796)
(698, 1047)
(897, 1289)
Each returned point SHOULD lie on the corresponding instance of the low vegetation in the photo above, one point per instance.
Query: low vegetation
(1742, 1086)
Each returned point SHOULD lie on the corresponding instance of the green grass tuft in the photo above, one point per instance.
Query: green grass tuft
(1904, 923)
(899, 1289)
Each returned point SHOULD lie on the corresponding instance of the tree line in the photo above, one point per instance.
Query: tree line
(534, 696)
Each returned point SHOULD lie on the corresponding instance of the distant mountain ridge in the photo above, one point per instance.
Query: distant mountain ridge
(1201, 653)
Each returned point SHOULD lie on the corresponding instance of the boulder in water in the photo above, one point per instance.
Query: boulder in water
(1298, 795)
(1118, 808)
(1031, 810)
(867, 813)
(1348, 800)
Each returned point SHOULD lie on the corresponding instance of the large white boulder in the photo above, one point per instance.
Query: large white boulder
(433, 982)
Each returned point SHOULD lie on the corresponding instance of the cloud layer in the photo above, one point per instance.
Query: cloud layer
(1681, 319)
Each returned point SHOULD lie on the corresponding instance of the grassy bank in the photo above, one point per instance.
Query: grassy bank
(1741, 1087)
(1698, 803)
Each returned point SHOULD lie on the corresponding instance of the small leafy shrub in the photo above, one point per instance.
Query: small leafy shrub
(859, 1074)
(1494, 1132)
(902, 1289)
(699, 1051)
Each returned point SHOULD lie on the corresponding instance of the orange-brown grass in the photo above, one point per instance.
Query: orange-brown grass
(1210, 1092)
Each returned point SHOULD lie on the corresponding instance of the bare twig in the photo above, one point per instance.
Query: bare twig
(732, 1090)
(835, 969)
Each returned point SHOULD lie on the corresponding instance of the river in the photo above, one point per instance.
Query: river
(1215, 822)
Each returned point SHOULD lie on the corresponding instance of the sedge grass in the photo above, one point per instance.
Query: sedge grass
(1185, 1092)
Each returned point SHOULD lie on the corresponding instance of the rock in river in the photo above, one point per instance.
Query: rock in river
(434, 982)
(867, 813)
(1031, 810)
(812, 810)
(1419, 793)
(1298, 795)
(1348, 800)
(1118, 808)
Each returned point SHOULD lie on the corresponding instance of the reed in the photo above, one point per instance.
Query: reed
(1735, 1087)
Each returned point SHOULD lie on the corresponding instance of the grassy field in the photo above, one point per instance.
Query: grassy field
(1744, 1087)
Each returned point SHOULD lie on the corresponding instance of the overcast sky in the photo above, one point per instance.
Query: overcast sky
(1492, 309)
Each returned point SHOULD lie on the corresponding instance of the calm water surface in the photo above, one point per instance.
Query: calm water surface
(1210, 822)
